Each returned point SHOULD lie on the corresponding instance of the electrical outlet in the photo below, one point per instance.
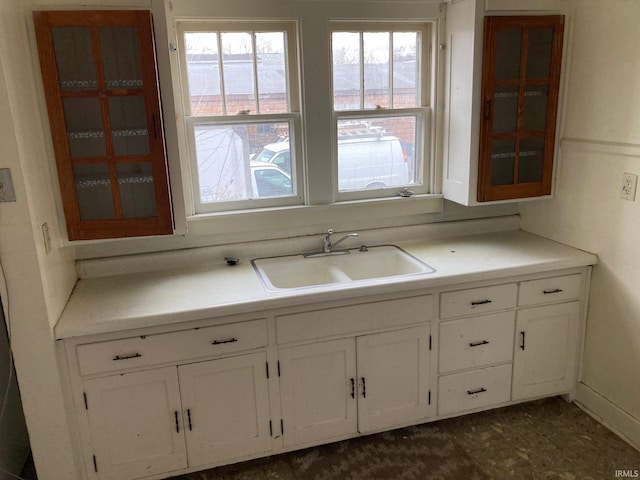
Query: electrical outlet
(7, 194)
(629, 182)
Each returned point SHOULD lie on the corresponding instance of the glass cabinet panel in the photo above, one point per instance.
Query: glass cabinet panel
(85, 132)
(503, 160)
(74, 58)
(508, 46)
(539, 52)
(137, 190)
(93, 187)
(119, 46)
(530, 164)
(535, 107)
(128, 125)
(505, 115)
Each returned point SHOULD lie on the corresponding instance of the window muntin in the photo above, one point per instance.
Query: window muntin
(379, 107)
(240, 94)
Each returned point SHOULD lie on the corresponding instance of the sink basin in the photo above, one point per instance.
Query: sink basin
(346, 266)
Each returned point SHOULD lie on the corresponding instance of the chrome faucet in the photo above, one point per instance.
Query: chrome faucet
(328, 244)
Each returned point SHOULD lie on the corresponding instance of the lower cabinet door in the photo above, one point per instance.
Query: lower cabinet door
(318, 391)
(225, 407)
(135, 423)
(393, 372)
(546, 350)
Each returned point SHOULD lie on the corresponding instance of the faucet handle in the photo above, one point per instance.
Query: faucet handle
(330, 231)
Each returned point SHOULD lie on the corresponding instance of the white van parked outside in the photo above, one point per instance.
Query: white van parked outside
(365, 161)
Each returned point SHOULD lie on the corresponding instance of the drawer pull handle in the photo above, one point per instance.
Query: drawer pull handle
(228, 340)
(480, 302)
(477, 390)
(555, 290)
(522, 334)
(353, 388)
(177, 424)
(364, 388)
(477, 344)
(126, 357)
(189, 418)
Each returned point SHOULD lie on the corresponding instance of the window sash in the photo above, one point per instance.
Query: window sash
(297, 198)
(422, 151)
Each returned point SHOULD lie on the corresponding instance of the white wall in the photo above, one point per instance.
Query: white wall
(37, 285)
(602, 141)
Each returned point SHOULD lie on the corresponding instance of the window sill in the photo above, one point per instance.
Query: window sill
(263, 219)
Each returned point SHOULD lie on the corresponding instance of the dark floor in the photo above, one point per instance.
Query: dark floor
(543, 440)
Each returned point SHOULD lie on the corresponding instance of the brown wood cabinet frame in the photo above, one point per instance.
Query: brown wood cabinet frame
(486, 191)
(77, 228)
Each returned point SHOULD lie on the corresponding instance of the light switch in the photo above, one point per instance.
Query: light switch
(7, 194)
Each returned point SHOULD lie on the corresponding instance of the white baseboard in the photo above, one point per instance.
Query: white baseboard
(611, 416)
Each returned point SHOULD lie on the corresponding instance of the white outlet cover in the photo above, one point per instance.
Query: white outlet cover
(629, 184)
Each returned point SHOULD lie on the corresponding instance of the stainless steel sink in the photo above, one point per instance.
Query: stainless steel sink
(345, 266)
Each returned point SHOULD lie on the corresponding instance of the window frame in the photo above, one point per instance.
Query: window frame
(292, 116)
(422, 111)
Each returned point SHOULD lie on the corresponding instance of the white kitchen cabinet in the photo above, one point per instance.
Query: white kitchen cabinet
(170, 418)
(136, 424)
(318, 391)
(490, 119)
(225, 407)
(341, 387)
(546, 350)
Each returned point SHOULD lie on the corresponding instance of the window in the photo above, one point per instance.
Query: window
(347, 118)
(240, 94)
(379, 107)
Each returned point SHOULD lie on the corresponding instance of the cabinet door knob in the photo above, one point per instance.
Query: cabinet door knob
(177, 424)
(364, 388)
(522, 337)
(353, 388)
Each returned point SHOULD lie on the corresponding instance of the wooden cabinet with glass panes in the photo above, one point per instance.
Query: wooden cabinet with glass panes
(100, 83)
(520, 83)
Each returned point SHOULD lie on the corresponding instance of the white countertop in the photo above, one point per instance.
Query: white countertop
(139, 300)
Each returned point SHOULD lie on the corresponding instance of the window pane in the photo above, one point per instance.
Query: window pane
(272, 72)
(238, 73)
(244, 161)
(377, 152)
(376, 69)
(346, 71)
(405, 69)
(203, 73)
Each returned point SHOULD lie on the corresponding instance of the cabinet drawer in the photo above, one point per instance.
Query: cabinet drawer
(547, 290)
(478, 300)
(474, 389)
(353, 318)
(147, 350)
(476, 342)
